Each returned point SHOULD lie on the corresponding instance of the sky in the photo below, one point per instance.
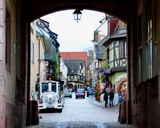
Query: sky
(73, 36)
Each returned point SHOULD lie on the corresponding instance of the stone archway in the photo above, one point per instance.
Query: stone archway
(38, 8)
(58, 7)
(26, 11)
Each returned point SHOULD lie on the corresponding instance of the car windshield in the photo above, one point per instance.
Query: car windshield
(45, 87)
(80, 91)
(53, 87)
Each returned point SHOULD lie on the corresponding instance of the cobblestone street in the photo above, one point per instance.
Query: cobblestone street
(82, 113)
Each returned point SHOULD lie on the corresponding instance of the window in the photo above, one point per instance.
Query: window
(96, 36)
(61, 75)
(156, 38)
(149, 41)
(107, 57)
(139, 32)
(44, 87)
(72, 77)
(8, 40)
(32, 52)
(140, 65)
(54, 87)
(123, 49)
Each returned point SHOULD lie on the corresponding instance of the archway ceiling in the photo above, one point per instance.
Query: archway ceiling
(123, 9)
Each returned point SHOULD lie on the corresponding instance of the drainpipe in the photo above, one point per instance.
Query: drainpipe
(39, 56)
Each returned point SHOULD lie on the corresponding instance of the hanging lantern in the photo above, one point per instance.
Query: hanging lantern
(77, 15)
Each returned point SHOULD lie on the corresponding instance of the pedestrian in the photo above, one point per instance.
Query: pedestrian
(120, 99)
(105, 97)
(111, 97)
(116, 98)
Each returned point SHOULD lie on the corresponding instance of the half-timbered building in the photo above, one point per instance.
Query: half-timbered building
(116, 54)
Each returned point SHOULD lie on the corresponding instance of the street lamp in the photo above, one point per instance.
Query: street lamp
(77, 15)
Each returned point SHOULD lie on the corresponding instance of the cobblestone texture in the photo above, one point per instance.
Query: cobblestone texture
(82, 113)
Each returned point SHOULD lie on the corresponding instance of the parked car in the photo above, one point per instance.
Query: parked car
(68, 93)
(89, 91)
(80, 93)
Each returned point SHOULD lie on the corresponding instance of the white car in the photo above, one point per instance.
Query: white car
(68, 93)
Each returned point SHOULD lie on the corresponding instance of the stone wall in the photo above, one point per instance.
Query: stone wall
(2, 46)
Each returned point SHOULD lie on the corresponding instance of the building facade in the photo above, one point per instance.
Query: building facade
(63, 71)
(116, 53)
(76, 73)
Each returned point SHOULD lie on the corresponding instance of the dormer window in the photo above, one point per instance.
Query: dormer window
(72, 77)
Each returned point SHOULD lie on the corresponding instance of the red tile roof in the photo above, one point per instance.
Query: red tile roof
(74, 56)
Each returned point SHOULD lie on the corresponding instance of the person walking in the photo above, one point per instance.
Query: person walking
(116, 99)
(105, 97)
(111, 97)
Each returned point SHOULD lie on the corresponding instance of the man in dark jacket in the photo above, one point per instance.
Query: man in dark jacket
(111, 97)
(105, 98)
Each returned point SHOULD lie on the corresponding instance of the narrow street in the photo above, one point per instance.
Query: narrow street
(82, 113)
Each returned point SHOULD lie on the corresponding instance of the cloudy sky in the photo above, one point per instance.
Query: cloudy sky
(73, 36)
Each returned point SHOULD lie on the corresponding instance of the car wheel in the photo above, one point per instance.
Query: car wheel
(70, 96)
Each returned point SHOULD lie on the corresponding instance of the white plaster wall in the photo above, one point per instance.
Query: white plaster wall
(64, 71)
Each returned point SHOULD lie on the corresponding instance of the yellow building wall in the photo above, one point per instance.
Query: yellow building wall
(33, 62)
(39, 44)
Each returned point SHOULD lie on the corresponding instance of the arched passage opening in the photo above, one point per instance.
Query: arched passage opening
(123, 17)
(28, 11)
(142, 18)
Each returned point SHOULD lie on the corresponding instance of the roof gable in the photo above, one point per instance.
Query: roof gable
(75, 56)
